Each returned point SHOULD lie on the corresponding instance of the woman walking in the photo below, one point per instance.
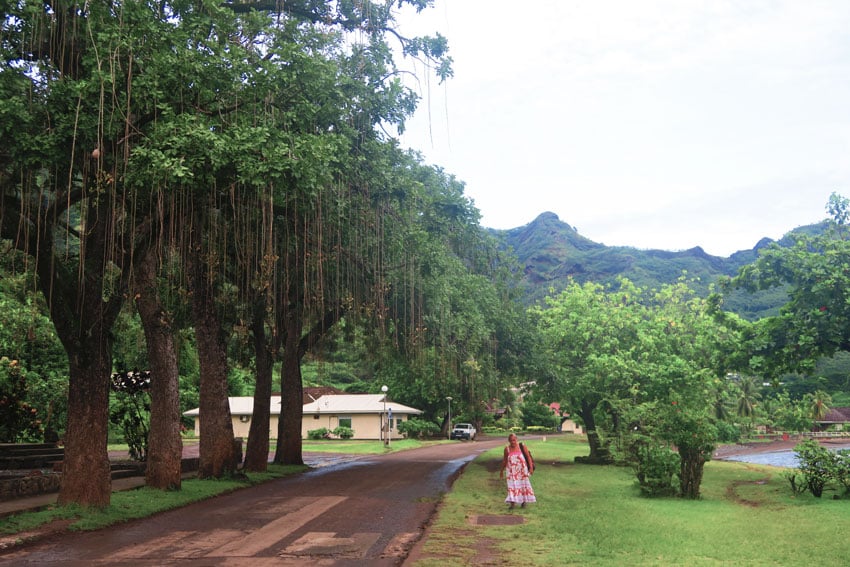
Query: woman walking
(519, 464)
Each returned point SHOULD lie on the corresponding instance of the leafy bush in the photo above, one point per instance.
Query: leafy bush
(316, 434)
(652, 461)
(536, 414)
(418, 428)
(343, 432)
(815, 464)
(131, 410)
(655, 466)
(18, 420)
(727, 432)
(841, 469)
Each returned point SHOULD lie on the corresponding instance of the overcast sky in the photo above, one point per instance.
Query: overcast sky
(650, 123)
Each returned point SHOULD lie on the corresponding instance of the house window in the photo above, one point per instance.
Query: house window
(315, 416)
(345, 421)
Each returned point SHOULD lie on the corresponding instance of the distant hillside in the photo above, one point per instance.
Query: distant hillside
(552, 251)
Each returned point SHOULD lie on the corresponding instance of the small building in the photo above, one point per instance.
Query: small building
(363, 413)
(567, 425)
(837, 418)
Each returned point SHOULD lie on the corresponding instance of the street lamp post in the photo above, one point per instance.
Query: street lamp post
(449, 428)
(385, 432)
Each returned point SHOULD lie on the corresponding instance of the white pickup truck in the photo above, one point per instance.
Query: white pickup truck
(463, 431)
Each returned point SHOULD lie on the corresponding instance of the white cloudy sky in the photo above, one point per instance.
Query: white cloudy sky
(651, 123)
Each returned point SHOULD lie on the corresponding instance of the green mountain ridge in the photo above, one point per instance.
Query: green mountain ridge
(551, 252)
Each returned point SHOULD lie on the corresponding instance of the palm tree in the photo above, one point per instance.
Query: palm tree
(748, 397)
(721, 403)
(819, 405)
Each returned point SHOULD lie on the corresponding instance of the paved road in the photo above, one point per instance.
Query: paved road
(367, 511)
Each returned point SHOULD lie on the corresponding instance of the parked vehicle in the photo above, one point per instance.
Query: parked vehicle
(463, 431)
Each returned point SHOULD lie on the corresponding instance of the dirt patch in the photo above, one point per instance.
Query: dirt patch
(41, 533)
(496, 520)
(488, 553)
(732, 491)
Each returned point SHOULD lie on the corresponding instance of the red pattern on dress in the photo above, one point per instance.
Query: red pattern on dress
(519, 485)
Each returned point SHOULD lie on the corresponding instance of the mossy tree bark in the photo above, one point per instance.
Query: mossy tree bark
(257, 449)
(165, 446)
(217, 454)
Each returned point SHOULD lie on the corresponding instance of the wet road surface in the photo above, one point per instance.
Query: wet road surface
(369, 510)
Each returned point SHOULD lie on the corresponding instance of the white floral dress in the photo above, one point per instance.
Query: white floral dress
(519, 485)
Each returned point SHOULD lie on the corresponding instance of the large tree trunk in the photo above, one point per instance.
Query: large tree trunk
(217, 451)
(86, 476)
(165, 446)
(83, 318)
(288, 450)
(599, 453)
(257, 450)
(691, 464)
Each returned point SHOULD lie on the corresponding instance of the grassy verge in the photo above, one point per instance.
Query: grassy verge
(591, 515)
(138, 503)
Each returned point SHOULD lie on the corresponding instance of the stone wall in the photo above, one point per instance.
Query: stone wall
(31, 484)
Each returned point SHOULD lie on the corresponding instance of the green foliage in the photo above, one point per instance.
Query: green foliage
(28, 337)
(316, 434)
(416, 428)
(652, 358)
(655, 466)
(131, 413)
(539, 415)
(691, 431)
(727, 432)
(815, 465)
(343, 432)
(19, 421)
(814, 321)
(841, 469)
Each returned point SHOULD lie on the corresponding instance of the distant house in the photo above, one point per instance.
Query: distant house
(363, 413)
(839, 418)
(567, 425)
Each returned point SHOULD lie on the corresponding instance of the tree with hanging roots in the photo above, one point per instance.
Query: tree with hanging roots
(136, 127)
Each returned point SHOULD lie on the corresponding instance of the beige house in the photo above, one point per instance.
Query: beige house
(365, 414)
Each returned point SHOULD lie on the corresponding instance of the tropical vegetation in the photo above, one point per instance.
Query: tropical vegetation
(211, 196)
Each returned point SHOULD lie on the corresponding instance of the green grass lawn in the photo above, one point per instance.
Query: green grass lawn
(592, 515)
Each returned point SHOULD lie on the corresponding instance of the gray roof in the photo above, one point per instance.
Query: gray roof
(336, 404)
(356, 403)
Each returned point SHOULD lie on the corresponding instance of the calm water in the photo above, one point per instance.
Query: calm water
(775, 458)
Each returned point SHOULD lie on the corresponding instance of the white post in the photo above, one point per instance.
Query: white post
(449, 427)
(385, 433)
